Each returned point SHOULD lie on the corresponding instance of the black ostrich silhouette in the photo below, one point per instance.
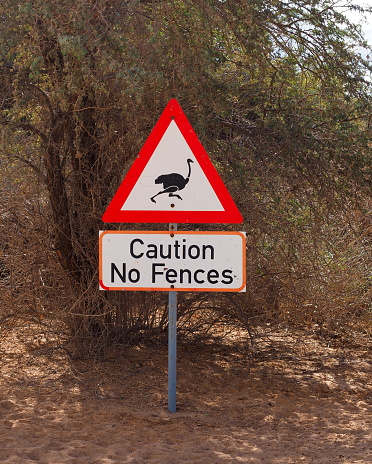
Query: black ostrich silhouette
(172, 182)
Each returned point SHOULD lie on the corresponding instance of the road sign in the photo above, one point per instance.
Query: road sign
(172, 180)
(184, 261)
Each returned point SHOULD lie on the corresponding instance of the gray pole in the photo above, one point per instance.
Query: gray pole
(172, 344)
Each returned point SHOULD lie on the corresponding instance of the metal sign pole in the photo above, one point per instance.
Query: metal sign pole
(172, 344)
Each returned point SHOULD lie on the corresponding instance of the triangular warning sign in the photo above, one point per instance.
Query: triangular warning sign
(172, 179)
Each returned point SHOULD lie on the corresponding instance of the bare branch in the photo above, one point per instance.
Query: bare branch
(30, 164)
(42, 94)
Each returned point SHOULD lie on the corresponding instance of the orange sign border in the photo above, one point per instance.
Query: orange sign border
(169, 289)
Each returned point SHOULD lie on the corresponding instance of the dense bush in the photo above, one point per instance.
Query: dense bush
(280, 98)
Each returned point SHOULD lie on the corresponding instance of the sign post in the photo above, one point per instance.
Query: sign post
(172, 351)
(172, 344)
(172, 180)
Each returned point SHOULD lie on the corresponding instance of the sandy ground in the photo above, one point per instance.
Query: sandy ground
(295, 400)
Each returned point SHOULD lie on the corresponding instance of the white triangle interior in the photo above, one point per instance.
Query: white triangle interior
(170, 156)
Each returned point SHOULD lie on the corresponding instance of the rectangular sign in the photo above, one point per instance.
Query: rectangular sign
(182, 261)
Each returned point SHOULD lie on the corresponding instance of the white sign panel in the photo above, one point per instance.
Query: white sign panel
(183, 261)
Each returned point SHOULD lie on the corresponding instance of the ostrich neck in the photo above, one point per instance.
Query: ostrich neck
(188, 175)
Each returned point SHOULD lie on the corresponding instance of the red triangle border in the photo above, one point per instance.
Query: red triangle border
(113, 213)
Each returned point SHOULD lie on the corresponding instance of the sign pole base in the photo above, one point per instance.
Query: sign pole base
(172, 345)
